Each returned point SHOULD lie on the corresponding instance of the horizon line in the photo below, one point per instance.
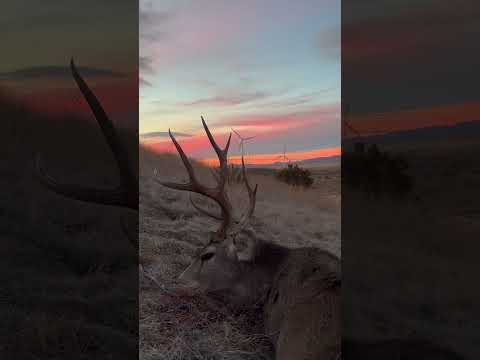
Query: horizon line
(272, 158)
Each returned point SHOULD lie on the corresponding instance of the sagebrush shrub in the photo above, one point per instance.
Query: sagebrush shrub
(376, 172)
(296, 176)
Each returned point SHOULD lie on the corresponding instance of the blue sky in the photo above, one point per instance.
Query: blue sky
(266, 68)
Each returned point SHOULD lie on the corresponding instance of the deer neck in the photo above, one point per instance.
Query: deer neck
(259, 273)
(269, 257)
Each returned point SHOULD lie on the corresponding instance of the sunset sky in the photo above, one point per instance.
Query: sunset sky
(38, 42)
(408, 65)
(265, 68)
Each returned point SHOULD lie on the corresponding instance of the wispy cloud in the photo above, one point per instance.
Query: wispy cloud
(375, 48)
(53, 71)
(229, 99)
(152, 22)
(143, 82)
(321, 113)
(293, 101)
(145, 64)
(157, 134)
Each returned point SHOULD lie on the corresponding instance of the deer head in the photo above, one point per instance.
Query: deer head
(220, 265)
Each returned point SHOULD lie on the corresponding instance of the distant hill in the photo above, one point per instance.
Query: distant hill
(313, 162)
(320, 160)
(465, 130)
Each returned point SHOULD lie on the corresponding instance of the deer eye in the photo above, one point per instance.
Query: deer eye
(207, 256)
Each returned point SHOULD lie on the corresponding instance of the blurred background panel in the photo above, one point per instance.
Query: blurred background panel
(410, 175)
(69, 272)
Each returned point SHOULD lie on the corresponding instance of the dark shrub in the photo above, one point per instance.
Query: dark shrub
(376, 172)
(296, 176)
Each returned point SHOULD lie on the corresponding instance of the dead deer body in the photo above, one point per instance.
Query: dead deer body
(126, 194)
(299, 288)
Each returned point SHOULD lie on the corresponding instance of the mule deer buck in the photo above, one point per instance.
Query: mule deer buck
(126, 194)
(299, 288)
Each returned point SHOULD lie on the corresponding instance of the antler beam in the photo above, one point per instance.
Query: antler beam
(217, 193)
(126, 194)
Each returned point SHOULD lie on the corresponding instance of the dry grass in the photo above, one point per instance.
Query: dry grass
(179, 325)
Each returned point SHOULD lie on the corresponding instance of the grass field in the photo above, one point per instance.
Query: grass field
(175, 324)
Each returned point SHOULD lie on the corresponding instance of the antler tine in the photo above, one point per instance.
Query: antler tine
(127, 177)
(127, 193)
(193, 184)
(252, 194)
(220, 153)
(222, 158)
(114, 197)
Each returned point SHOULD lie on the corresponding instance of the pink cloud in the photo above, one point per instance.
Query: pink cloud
(229, 99)
(316, 114)
(192, 32)
(117, 96)
(191, 145)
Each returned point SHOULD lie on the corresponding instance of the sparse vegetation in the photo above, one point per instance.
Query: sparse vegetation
(376, 172)
(295, 176)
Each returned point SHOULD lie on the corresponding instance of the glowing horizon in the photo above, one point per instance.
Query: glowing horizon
(259, 159)
(39, 76)
(264, 159)
(421, 117)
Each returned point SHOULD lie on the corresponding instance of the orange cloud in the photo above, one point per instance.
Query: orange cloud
(439, 115)
(116, 96)
(190, 144)
(283, 121)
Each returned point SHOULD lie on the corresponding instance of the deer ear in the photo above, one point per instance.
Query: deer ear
(248, 253)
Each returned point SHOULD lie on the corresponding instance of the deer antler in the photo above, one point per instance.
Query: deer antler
(252, 194)
(217, 193)
(252, 198)
(126, 194)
